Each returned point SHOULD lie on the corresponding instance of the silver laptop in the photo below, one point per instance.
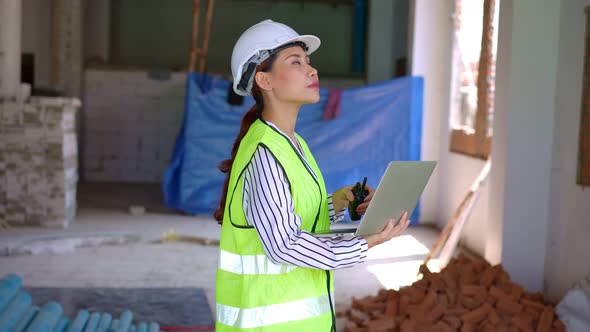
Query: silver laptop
(398, 191)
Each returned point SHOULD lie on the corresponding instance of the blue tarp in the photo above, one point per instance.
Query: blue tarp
(377, 124)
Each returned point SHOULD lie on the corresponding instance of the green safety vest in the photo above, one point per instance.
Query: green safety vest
(252, 292)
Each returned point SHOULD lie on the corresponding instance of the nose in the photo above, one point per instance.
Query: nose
(313, 72)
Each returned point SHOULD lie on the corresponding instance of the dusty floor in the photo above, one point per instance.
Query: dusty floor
(103, 210)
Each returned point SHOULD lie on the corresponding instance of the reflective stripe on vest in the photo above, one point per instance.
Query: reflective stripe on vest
(273, 314)
(251, 264)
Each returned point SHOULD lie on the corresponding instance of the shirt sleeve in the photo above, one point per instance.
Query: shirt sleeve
(335, 216)
(268, 206)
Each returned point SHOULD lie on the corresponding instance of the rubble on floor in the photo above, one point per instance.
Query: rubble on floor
(467, 295)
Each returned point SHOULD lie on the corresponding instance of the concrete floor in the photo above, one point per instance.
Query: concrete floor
(142, 263)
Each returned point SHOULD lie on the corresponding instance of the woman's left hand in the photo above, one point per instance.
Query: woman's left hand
(343, 196)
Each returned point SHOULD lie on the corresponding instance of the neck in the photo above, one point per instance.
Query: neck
(283, 116)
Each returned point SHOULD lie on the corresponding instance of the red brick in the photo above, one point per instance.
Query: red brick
(442, 299)
(522, 323)
(451, 296)
(471, 302)
(533, 304)
(382, 295)
(404, 302)
(516, 292)
(463, 259)
(456, 311)
(502, 327)
(487, 327)
(436, 282)
(352, 327)
(472, 290)
(436, 313)
(468, 275)
(493, 317)
(481, 265)
(508, 307)
(416, 312)
(476, 315)
(444, 327)
(498, 294)
(408, 325)
(422, 285)
(538, 297)
(392, 294)
(381, 325)
(392, 308)
(452, 321)
(469, 327)
(429, 300)
(534, 313)
(417, 295)
(545, 320)
(450, 278)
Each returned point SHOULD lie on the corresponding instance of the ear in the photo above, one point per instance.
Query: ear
(263, 81)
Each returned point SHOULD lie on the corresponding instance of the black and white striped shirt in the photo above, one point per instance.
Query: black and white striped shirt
(269, 207)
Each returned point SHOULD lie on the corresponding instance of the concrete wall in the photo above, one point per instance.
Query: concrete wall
(567, 244)
(155, 32)
(131, 123)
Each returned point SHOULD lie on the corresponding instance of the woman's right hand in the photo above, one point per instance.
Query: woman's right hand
(390, 231)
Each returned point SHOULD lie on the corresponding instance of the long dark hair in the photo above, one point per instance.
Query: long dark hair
(252, 115)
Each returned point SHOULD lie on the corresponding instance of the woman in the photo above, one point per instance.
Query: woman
(274, 274)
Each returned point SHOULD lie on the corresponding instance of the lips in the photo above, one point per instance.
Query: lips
(314, 85)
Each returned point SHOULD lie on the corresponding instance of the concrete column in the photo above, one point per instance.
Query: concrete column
(380, 43)
(10, 47)
(431, 29)
(524, 120)
(67, 47)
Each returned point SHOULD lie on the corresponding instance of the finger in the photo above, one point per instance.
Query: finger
(370, 194)
(403, 220)
(362, 207)
(389, 226)
(402, 226)
(349, 194)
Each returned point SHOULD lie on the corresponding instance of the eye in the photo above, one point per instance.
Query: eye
(296, 62)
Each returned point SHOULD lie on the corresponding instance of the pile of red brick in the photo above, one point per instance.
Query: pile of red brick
(468, 295)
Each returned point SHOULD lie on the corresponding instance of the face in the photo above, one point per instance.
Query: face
(292, 79)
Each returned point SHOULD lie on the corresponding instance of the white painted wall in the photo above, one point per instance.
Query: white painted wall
(431, 27)
(569, 225)
(36, 37)
(526, 111)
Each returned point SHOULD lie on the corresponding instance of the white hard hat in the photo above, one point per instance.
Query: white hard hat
(257, 44)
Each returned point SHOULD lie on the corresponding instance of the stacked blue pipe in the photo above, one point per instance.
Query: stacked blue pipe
(18, 314)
